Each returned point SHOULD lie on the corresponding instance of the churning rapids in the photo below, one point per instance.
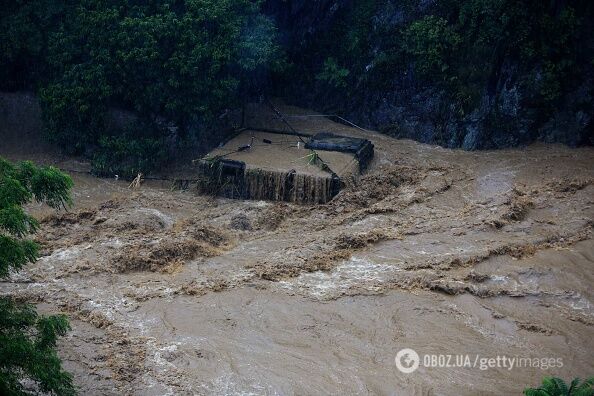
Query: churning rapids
(442, 251)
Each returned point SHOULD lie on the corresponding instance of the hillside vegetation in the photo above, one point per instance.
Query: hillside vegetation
(473, 73)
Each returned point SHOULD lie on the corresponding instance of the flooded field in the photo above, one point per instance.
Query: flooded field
(442, 251)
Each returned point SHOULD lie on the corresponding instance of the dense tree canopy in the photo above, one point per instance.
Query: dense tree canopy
(176, 64)
(27, 340)
(458, 44)
(179, 65)
(505, 67)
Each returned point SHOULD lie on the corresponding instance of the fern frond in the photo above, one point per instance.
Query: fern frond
(549, 385)
(561, 386)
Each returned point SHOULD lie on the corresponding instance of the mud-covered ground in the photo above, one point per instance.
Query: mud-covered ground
(442, 251)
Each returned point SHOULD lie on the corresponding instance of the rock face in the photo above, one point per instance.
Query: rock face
(398, 103)
(300, 19)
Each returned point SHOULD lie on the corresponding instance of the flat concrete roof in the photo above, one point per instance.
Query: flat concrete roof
(283, 154)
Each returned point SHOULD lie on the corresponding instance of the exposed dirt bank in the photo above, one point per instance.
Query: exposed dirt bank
(442, 251)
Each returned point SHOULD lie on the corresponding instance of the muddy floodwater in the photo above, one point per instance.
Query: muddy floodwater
(442, 251)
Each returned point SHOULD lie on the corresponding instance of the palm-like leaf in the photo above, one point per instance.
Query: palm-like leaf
(586, 388)
(553, 386)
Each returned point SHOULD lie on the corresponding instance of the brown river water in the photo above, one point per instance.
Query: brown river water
(447, 252)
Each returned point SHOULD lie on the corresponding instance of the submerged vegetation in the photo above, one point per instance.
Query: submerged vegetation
(28, 340)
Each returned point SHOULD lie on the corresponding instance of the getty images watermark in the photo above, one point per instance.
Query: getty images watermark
(408, 361)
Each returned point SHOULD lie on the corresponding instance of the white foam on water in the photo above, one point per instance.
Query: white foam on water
(165, 219)
(113, 243)
(499, 278)
(577, 302)
(63, 254)
(356, 273)
(226, 385)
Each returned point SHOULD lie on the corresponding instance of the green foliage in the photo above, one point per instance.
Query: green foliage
(27, 350)
(74, 108)
(27, 340)
(460, 49)
(19, 185)
(185, 62)
(358, 26)
(24, 30)
(47, 184)
(179, 62)
(552, 386)
(432, 42)
(129, 154)
(464, 45)
(333, 75)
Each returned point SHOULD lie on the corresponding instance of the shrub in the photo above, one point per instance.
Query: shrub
(432, 43)
(332, 74)
(185, 62)
(128, 154)
(552, 386)
(27, 340)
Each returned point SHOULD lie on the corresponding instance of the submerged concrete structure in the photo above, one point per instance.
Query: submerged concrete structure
(280, 166)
